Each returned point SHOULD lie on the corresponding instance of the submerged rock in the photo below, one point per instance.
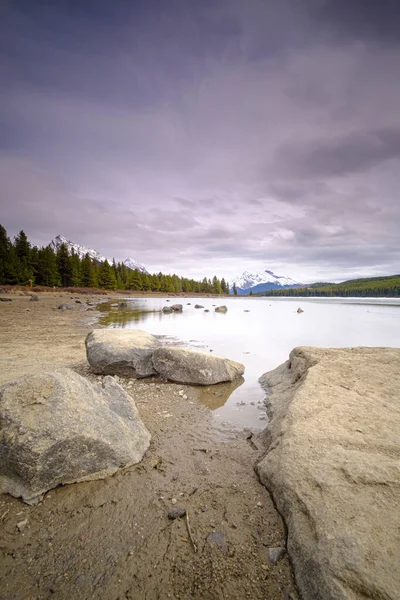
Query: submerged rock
(59, 428)
(198, 306)
(167, 309)
(189, 366)
(333, 468)
(65, 307)
(121, 352)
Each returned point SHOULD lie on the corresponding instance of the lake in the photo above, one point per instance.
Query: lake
(261, 338)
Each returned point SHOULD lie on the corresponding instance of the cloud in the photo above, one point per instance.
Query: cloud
(333, 157)
(207, 137)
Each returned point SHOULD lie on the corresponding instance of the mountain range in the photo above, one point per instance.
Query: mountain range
(245, 283)
(81, 251)
(261, 282)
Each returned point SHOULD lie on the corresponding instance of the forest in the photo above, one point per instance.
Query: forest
(373, 287)
(21, 263)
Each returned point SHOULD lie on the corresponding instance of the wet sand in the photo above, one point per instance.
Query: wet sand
(112, 539)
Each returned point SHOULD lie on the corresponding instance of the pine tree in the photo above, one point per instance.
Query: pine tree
(64, 265)
(75, 279)
(107, 278)
(234, 290)
(47, 270)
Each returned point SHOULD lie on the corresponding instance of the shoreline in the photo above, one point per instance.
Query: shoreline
(112, 538)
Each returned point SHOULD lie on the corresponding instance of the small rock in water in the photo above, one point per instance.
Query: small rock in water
(275, 554)
(262, 418)
(300, 310)
(176, 513)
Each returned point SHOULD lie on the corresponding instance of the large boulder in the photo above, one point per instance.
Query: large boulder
(333, 468)
(189, 366)
(59, 428)
(126, 352)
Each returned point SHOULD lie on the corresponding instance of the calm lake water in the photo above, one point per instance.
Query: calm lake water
(261, 338)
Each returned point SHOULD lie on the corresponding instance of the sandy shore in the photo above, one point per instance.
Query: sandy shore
(112, 539)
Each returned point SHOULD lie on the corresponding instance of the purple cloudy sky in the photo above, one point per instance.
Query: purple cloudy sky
(208, 136)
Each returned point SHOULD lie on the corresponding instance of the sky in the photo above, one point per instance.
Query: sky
(206, 137)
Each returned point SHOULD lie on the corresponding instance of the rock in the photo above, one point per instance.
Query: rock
(188, 303)
(198, 306)
(167, 309)
(34, 298)
(246, 311)
(174, 501)
(221, 309)
(78, 301)
(5, 299)
(177, 307)
(300, 310)
(22, 524)
(336, 487)
(65, 307)
(122, 305)
(59, 428)
(2, 291)
(176, 513)
(189, 366)
(126, 352)
(275, 554)
(206, 310)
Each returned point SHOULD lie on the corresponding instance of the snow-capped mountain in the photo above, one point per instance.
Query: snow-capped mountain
(262, 281)
(131, 263)
(81, 251)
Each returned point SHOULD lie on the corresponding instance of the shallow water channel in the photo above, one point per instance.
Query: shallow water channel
(260, 333)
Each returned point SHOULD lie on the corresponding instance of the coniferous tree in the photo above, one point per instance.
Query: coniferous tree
(107, 278)
(64, 265)
(47, 270)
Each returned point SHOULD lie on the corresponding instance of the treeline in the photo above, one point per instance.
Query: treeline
(22, 263)
(369, 287)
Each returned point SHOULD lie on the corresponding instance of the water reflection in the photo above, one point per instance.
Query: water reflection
(260, 333)
(215, 396)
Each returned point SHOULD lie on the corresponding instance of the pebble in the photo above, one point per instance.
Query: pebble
(22, 524)
(275, 554)
(259, 504)
(176, 513)
(174, 501)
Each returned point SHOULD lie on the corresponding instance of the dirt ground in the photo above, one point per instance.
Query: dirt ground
(112, 539)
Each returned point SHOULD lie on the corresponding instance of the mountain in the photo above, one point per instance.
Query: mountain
(131, 263)
(262, 281)
(81, 251)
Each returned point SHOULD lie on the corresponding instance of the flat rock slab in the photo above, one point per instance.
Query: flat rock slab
(191, 367)
(121, 352)
(59, 428)
(334, 471)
